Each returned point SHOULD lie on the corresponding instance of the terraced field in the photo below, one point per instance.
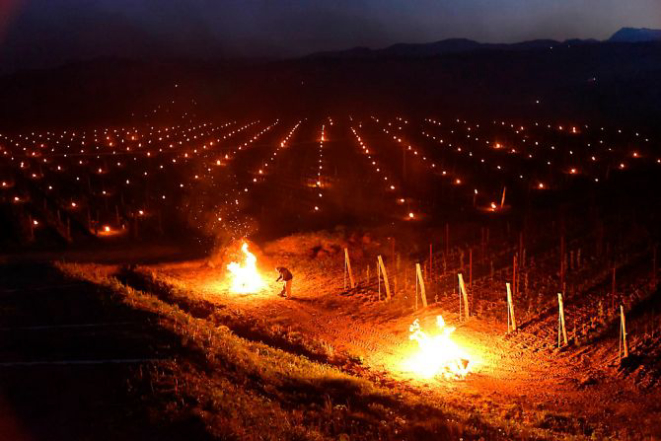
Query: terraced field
(142, 223)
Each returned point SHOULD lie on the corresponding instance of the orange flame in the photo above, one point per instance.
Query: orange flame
(437, 355)
(246, 277)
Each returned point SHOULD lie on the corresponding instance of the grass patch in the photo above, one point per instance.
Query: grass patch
(244, 389)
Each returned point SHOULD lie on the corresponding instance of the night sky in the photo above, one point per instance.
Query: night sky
(46, 32)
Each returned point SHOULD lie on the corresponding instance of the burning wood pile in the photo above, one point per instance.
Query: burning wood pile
(245, 276)
(437, 355)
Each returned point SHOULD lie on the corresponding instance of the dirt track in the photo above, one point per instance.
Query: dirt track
(513, 377)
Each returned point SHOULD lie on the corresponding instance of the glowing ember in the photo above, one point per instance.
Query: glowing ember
(437, 355)
(246, 278)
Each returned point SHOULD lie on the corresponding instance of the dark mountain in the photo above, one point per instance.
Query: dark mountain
(438, 48)
(610, 83)
(450, 46)
(636, 35)
(356, 52)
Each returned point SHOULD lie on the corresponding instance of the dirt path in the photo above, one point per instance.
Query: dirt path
(510, 377)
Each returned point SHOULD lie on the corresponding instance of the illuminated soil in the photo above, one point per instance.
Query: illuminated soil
(331, 361)
(518, 380)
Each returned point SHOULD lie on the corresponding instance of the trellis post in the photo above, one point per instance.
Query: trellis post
(511, 319)
(382, 268)
(347, 270)
(420, 282)
(624, 348)
(463, 294)
(562, 329)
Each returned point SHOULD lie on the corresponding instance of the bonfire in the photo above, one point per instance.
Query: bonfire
(245, 276)
(438, 354)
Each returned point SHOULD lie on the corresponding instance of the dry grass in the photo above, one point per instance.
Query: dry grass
(244, 389)
(326, 364)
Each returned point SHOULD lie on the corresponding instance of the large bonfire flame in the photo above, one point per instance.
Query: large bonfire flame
(245, 277)
(437, 355)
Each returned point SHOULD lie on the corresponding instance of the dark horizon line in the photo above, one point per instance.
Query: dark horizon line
(241, 59)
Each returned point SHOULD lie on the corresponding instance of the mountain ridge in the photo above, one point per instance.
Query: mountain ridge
(636, 35)
(459, 45)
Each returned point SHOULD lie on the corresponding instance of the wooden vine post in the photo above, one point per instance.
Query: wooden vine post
(378, 277)
(511, 319)
(562, 329)
(624, 348)
(463, 295)
(347, 270)
(420, 287)
(382, 271)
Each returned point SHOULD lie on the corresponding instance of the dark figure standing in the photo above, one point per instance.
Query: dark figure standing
(286, 276)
